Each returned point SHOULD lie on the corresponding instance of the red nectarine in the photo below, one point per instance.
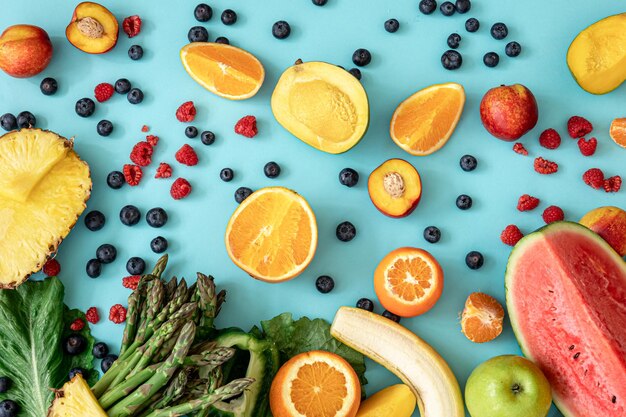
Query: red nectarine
(25, 50)
(509, 111)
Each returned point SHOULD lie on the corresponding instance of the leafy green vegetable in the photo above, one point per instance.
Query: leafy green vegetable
(33, 320)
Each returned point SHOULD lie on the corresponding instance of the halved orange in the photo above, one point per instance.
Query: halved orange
(482, 318)
(424, 122)
(222, 69)
(408, 281)
(272, 235)
(315, 384)
(618, 131)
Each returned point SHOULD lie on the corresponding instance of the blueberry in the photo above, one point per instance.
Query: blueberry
(77, 371)
(324, 284)
(513, 49)
(281, 29)
(130, 215)
(85, 107)
(94, 220)
(451, 60)
(135, 266)
(100, 350)
(207, 137)
(447, 8)
(48, 86)
(271, 170)
(428, 6)
(468, 163)
(115, 180)
(389, 315)
(432, 234)
(191, 132)
(365, 304)
(222, 39)
(122, 86)
(355, 72)
(198, 34)
(454, 40)
(464, 202)
(242, 193)
(463, 6)
(474, 260)
(345, 231)
(8, 122)
(361, 57)
(9, 408)
(499, 31)
(392, 25)
(229, 17)
(319, 2)
(75, 344)
(203, 12)
(491, 59)
(227, 174)
(472, 24)
(104, 128)
(348, 177)
(93, 268)
(135, 96)
(135, 52)
(26, 120)
(158, 244)
(156, 217)
(107, 362)
(5, 384)
(106, 253)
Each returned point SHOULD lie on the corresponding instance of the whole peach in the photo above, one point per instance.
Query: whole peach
(25, 50)
(509, 111)
(610, 223)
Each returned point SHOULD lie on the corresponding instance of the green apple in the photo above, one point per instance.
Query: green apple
(508, 386)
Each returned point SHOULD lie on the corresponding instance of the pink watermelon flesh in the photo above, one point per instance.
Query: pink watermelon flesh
(566, 296)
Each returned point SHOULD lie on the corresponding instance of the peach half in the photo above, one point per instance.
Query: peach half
(93, 28)
(395, 188)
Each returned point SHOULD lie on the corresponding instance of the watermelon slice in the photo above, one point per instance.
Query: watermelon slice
(566, 296)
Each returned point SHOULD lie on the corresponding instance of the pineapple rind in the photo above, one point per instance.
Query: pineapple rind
(75, 399)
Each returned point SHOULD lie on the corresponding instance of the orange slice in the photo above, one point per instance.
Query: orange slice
(618, 131)
(408, 281)
(315, 384)
(482, 318)
(272, 235)
(424, 122)
(223, 69)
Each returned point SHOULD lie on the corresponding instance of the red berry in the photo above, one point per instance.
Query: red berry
(117, 314)
(131, 282)
(545, 167)
(594, 178)
(92, 315)
(152, 140)
(51, 268)
(553, 214)
(103, 92)
(587, 147)
(613, 184)
(186, 112)
(577, 127)
(132, 174)
(132, 25)
(163, 171)
(550, 139)
(520, 149)
(77, 325)
(145, 128)
(246, 126)
(180, 189)
(511, 235)
(527, 203)
(142, 154)
(187, 156)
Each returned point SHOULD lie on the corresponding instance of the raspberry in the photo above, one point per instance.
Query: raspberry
(511, 235)
(77, 325)
(131, 282)
(246, 126)
(132, 174)
(550, 139)
(180, 189)
(145, 128)
(553, 214)
(186, 112)
(587, 147)
(163, 171)
(545, 167)
(117, 314)
(52, 268)
(577, 127)
(519, 148)
(187, 156)
(103, 92)
(613, 184)
(527, 203)
(92, 315)
(152, 140)
(132, 25)
(142, 154)
(594, 178)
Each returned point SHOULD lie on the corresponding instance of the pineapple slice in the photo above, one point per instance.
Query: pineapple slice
(43, 189)
(75, 399)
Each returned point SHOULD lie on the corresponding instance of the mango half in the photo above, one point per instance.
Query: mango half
(323, 105)
(597, 56)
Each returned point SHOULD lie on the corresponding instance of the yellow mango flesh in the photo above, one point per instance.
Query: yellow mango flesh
(393, 401)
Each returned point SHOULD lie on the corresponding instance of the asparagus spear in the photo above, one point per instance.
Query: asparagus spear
(132, 316)
(170, 288)
(174, 390)
(127, 386)
(159, 267)
(154, 303)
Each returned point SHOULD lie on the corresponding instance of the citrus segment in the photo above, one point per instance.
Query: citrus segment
(424, 122)
(482, 318)
(618, 131)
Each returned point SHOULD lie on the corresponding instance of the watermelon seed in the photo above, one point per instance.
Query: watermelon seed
(614, 399)
(576, 355)
(571, 347)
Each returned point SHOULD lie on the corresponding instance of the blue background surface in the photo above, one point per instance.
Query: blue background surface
(402, 63)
